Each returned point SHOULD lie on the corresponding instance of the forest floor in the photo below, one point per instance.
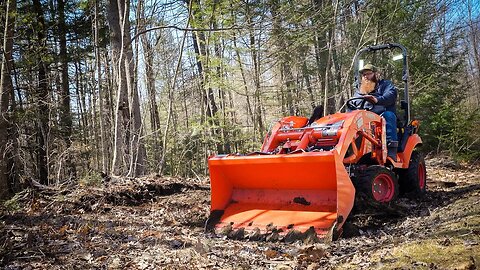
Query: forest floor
(158, 223)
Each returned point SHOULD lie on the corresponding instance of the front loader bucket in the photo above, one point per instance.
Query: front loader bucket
(281, 192)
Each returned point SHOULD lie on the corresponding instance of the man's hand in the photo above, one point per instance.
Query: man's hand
(371, 99)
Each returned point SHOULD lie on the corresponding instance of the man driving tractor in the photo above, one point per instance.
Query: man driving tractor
(306, 176)
(382, 94)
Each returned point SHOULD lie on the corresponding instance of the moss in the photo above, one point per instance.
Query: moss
(91, 179)
(426, 254)
(453, 243)
(12, 204)
(16, 202)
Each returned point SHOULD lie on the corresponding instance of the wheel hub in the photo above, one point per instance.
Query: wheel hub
(383, 188)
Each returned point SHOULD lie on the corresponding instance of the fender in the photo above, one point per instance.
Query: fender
(412, 142)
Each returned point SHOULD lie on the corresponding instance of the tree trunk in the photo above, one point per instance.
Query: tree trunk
(139, 154)
(101, 114)
(320, 44)
(121, 109)
(328, 107)
(308, 84)
(244, 79)
(148, 54)
(41, 98)
(65, 114)
(138, 159)
(256, 79)
(287, 78)
(6, 89)
(129, 150)
(225, 133)
(170, 94)
(64, 95)
(201, 53)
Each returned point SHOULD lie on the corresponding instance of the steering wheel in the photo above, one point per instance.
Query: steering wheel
(359, 103)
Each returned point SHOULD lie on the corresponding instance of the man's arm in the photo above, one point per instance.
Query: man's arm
(389, 95)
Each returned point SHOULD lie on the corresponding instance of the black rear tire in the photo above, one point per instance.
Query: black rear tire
(377, 186)
(414, 179)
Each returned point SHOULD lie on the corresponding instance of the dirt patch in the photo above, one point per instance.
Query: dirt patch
(158, 223)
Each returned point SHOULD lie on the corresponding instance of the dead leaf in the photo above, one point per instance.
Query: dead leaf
(270, 253)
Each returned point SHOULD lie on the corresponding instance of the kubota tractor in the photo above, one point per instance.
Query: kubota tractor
(305, 178)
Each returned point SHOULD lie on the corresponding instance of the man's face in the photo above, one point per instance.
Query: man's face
(369, 75)
(369, 80)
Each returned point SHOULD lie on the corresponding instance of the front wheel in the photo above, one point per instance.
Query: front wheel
(378, 185)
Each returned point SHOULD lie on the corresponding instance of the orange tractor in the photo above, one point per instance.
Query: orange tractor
(306, 177)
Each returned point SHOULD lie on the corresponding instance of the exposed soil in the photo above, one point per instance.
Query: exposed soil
(158, 223)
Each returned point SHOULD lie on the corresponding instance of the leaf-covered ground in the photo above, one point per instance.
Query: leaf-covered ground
(158, 223)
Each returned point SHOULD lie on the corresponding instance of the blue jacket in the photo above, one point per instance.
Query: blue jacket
(386, 95)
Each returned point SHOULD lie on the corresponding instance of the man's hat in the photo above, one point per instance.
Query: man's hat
(368, 67)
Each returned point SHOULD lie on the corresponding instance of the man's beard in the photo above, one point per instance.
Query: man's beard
(367, 86)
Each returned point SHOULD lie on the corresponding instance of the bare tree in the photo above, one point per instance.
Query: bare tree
(101, 97)
(148, 55)
(129, 151)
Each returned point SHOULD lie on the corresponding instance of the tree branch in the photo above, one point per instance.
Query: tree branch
(184, 29)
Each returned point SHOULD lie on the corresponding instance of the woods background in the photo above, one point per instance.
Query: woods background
(127, 88)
